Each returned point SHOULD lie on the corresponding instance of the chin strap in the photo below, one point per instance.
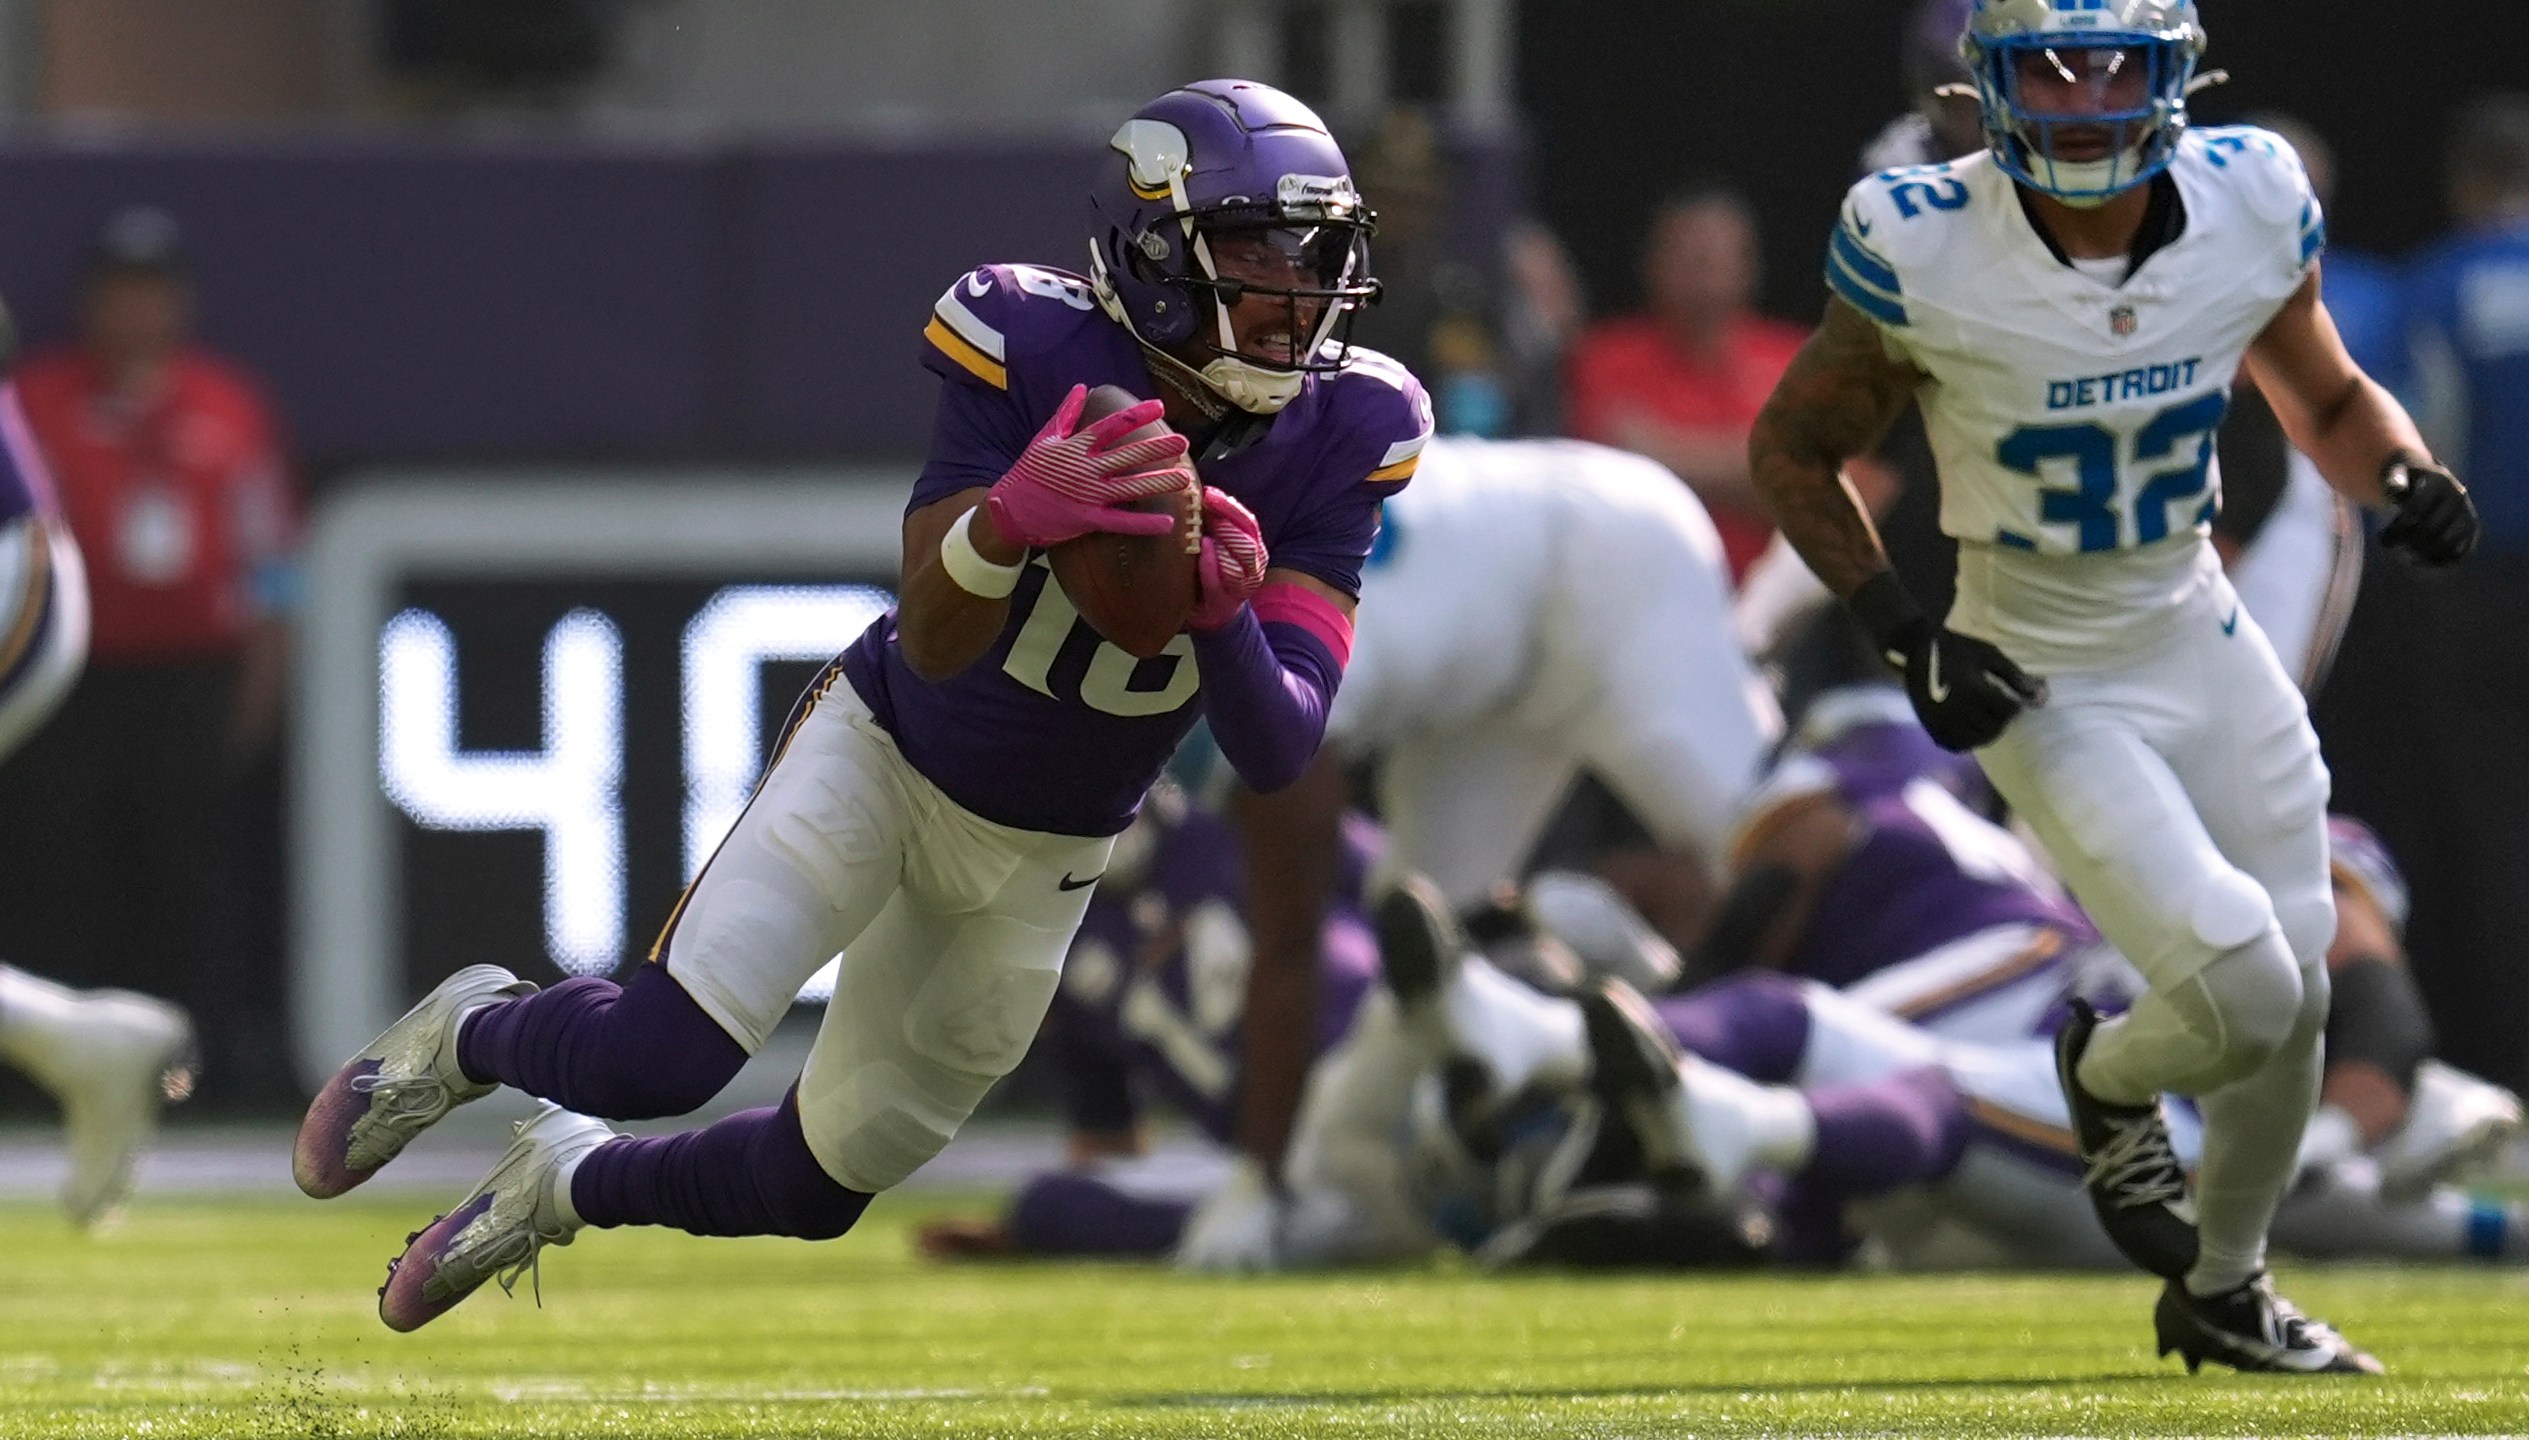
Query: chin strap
(2207, 81)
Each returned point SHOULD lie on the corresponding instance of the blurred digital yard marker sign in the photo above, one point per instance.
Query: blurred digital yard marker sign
(529, 710)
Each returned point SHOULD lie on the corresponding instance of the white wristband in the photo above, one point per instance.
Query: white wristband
(966, 565)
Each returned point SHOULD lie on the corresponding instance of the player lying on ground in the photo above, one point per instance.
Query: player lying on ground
(1532, 609)
(108, 1057)
(945, 798)
(2068, 309)
(1149, 1009)
(1947, 1151)
(1858, 868)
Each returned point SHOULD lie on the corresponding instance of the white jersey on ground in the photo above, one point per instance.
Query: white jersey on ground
(1534, 608)
(2071, 408)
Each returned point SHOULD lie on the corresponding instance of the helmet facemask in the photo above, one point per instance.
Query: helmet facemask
(2087, 115)
(1313, 276)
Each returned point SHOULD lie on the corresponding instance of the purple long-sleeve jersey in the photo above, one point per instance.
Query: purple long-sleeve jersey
(1157, 977)
(1926, 871)
(1053, 729)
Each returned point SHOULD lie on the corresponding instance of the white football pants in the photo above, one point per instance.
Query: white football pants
(2181, 795)
(952, 931)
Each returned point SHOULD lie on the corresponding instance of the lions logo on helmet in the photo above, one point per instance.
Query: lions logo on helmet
(2083, 99)
(1215, 159)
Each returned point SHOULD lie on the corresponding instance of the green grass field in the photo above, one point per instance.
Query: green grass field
(256, 1318)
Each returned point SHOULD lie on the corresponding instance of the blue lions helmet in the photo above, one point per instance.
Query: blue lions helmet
(2083, 99)
(1216, 165)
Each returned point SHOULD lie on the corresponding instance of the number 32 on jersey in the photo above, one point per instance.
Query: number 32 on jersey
(2088, 454)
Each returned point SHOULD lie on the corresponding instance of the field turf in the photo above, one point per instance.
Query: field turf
(254, 1317)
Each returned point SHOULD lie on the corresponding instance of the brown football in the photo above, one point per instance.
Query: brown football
(1135, 590)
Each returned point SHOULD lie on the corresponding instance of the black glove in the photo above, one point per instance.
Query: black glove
(1963, 689)
(2436, 523)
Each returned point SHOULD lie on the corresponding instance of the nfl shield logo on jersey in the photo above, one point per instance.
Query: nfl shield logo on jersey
(2121, 320)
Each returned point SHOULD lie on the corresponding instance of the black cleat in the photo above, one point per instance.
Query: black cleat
(2135, 1182)
(1633, 1071)
(1419, 941)
(2253, 1330)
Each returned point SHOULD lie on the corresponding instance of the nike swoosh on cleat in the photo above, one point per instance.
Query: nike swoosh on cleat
(2231, 626)
(1067, 883)
(1932, 685)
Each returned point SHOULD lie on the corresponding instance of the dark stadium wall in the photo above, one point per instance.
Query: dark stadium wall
(1627, 98)
(417, 299)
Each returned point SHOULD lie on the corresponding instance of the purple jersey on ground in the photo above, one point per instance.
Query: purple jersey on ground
(1157, 977)
(1867, 739)
(1927, 871)
(1052, 729)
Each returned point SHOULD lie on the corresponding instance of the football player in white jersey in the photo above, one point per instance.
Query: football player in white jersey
(1532, 608)
(108, 1056)
(1548, 606)
(2069, 308)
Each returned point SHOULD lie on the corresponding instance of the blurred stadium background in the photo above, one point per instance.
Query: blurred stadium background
(679, 251)
(591, 327)
(676, 254)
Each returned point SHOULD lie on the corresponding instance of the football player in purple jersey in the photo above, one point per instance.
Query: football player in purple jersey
(1830, 1100)
(109, 1057)
(946, 795)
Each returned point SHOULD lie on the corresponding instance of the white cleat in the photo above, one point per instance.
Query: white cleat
(2456, 1123)
(498, 1230)
(1733, 1125)
(117, 1058)
(399, 1085)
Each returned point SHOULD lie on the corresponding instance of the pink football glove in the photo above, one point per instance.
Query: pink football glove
(1232, 566)
(1069, 483)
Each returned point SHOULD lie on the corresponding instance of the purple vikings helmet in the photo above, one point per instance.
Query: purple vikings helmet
(1215, 158)
(2361, 861)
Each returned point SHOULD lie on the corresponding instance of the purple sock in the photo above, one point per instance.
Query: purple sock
(634, 1051)
(750, 1174)
(1810, 1228)
(1065, 1213)
(1756, 1024)
(1873, 1137)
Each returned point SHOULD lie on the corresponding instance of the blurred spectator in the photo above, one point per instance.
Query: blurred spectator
(2361, 290)
(1486, 333)
(135, 801)
(1682, 381)
(1435, 310)
(2464, 711)
(1946, 121)
(1543, 312)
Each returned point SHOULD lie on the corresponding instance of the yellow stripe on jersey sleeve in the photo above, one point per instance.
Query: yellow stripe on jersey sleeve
(956, 347)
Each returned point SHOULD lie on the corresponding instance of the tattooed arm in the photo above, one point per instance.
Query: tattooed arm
(1835, 401)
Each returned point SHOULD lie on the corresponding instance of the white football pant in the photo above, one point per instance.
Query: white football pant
(952, 931)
